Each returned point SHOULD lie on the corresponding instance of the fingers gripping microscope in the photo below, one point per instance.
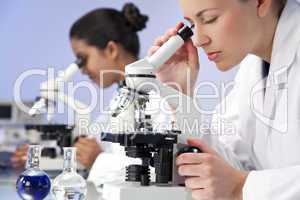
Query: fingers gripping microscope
(153, 148)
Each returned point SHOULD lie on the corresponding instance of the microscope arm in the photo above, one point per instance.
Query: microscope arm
(53, 85)
(51, 93)
(188, 118)
(82, 115)
(140, 76)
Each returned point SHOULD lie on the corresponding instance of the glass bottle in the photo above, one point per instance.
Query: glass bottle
(69, 185)
(33, 184)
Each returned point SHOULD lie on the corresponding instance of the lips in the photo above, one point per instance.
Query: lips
(213, 55)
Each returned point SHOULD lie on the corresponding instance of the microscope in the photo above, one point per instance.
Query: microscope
(51, 93)
(155, 149)
(12, 131)
(52, 137)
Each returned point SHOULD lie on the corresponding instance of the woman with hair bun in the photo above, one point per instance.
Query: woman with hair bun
(106, 39)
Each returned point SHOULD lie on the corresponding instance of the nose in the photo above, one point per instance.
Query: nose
(200, 39)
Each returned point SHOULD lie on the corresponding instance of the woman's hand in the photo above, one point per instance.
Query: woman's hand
(87, 151)
(19, 158)
(209, 176)
(181, 70)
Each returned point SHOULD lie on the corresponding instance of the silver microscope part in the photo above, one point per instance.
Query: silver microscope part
(122, 101)
(38, 107)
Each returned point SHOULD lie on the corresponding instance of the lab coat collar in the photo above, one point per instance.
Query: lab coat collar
(285, 46)
(286, 40)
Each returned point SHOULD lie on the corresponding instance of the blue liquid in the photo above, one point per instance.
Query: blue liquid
(33, 185)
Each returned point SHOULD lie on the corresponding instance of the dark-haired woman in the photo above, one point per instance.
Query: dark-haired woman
(106, 39)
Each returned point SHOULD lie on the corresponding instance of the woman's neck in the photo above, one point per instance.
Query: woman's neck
(125, 60)
(266, 38)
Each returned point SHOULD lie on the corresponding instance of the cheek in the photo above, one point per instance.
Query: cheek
(232, 39)
(92, 70)
(231, 31)
(106, 75)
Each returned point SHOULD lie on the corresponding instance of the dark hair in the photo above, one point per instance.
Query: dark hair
(102, 25)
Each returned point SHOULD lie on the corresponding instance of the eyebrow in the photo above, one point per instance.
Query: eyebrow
(201, 12)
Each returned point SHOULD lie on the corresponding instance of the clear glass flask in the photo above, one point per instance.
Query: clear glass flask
(33, 184)
(69, 185)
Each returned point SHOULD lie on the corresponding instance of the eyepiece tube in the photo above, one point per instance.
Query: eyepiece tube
(168, 49)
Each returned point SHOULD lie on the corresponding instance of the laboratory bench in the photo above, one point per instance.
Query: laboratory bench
(8, 179)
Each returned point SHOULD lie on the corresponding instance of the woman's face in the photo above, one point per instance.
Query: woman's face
(98, 63)
(225, 29)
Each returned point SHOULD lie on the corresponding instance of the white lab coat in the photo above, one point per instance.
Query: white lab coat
(265, 138)
(110, 164)
(267, 148)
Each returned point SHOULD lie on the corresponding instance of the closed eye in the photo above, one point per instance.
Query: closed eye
(210, 21)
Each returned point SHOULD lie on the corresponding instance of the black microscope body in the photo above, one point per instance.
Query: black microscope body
(61, 134)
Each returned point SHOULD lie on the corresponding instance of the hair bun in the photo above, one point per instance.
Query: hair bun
(136, 20)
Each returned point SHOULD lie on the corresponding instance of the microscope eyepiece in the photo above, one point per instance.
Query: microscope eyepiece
(185, 33)
(80, 62)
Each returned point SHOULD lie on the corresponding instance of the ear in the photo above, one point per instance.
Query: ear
(263, 7)
(112, 50)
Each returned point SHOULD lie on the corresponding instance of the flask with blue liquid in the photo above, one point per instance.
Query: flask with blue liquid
(33, 184)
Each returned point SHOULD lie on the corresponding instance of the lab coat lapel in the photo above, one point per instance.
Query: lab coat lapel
(285, 45)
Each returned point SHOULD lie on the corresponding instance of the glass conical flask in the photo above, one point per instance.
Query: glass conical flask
(69, 185)
(33, 184)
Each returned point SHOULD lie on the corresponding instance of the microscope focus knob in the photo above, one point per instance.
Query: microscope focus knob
(188, 149)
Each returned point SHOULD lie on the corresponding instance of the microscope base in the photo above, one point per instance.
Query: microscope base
(133, 191)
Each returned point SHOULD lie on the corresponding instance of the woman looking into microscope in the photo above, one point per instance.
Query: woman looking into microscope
(259, 160)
